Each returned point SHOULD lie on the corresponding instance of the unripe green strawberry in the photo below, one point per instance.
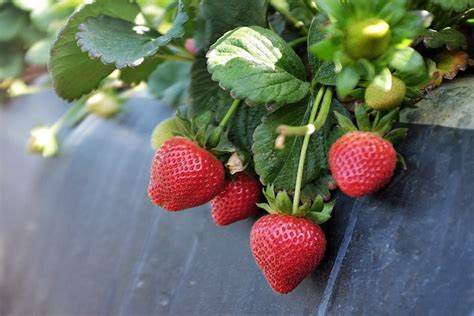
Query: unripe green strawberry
(378, 99)
(103, 105)
(367, 38)
(163, 131)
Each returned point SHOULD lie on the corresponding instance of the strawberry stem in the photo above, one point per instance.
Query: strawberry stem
(304, 149)
(217, 132)
(298, 41)
(229, 113)
(72, 116)
(175, 57)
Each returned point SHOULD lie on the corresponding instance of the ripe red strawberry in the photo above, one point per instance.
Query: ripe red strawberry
(362, 162)
(184, 175)
(237, 201)
(287, 249)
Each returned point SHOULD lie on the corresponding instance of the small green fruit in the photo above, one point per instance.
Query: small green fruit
(367, 39)
(163, 131)
(103, 105)
(379, 99)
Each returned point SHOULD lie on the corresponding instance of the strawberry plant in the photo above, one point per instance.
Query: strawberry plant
(268, 92)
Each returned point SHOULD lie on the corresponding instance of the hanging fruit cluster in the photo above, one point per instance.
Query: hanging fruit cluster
(284, 102)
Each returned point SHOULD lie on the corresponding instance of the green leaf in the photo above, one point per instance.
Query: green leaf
(318, 204)
(385, 124)
(318, 188)
(169, 82)
(242, 125)
(347, 80)
(332, 8)
(30, 35)
(456, 5)
(318, 217)
(12, 22)
(279, 166)
(322, 70)
(204, 93)
(49, 14)
(324, 49)
(362, 118)
(74, 73)
(123, 43)
(11, 61)
(345, 123)
(295, 8)
(449, 37)
(283, 202)
(258, 66)
(140, 73)
(38, 54)
(217, 17)
(397, 135)
(410, 66)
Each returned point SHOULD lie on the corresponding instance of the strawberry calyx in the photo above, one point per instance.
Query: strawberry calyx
(281, 203)
(375, 122)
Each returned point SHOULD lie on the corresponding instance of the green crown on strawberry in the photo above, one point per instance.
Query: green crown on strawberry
(362, 161)
(288, 244)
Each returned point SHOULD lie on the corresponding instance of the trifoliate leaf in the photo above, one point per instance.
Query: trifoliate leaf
(257, 65)
(123, 43)
(73, 72)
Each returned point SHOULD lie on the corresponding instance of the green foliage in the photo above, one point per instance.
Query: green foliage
(365, 38)
(12, 21)
(11, 61)
(258, 66)
(74, 73)
(276, 67)
(323, 71)
(204, 93)
(279, 166)
(121, 42)
(456, 5)
(217, 17)
(140, 73)
(169, 82)
(449, 37)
